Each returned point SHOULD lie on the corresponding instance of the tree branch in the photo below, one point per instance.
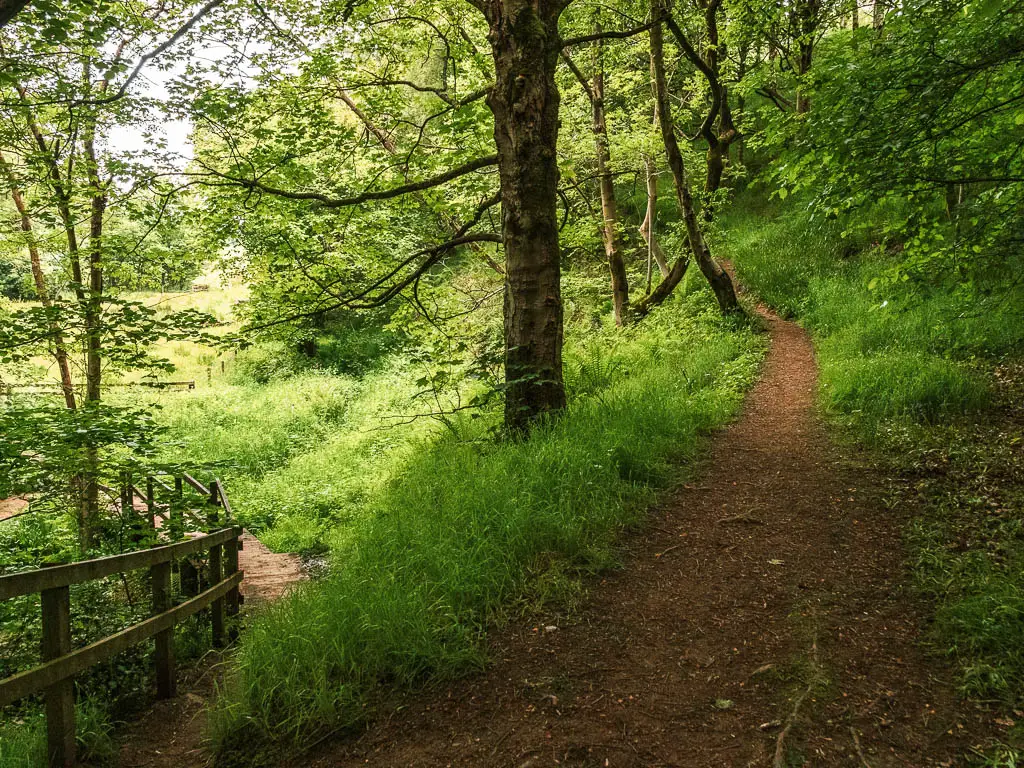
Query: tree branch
(623, 35)
(344, 202)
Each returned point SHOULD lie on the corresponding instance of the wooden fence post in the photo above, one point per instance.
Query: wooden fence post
(176, 510)
(213, 517)
(127, 497)
(164, 655)
(151, 502)
(217, 609)
(60, 697)
(231, 567)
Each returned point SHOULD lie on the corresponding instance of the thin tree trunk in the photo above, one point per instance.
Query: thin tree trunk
(60, 352)
(93, 318)
(62, 196)
(84, 486)
(610, 234)
(524, 100)
(647, 228)
(806, 16)
(94, 302)
(609, 212)
(712, 271)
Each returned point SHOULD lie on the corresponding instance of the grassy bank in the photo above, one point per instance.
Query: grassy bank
(928, 377)
(300, 454)
(470, 530)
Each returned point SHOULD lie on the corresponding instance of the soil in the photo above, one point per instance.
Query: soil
(268, 575)
(11, 507)
(760, 619)
(170, 733)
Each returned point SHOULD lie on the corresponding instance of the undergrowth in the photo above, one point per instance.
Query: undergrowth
(928, 377)
(23, 740)
(469, 530)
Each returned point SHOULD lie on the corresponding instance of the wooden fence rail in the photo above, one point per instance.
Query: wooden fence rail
(55, 676)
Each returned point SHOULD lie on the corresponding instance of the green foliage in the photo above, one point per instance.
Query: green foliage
(45, 447)
(23, 740)
(15, 280)
(902, 383)
(250, 430)
(467, 529)
(940, 140)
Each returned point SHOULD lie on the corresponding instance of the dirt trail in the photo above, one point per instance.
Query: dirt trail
(12, 507)
(170, 732)
(775, 578)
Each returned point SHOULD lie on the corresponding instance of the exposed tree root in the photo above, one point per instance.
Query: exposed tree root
(780, 743)
(860, 750)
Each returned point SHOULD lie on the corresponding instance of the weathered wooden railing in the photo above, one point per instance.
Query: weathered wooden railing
(218, 592)
(175, 515)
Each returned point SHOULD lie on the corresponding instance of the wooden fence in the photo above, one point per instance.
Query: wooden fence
(218, 593)
(54, 388)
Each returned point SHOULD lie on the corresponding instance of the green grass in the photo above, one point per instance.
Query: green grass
(299, 455)
(893, 354)
(23, 741)
(927, 376)
(466, 531)
(252, 429)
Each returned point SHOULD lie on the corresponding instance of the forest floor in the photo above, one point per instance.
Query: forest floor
(761, 618)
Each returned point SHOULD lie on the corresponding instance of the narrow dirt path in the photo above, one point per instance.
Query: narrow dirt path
(170, 733)
(765, 599)
(268, 575)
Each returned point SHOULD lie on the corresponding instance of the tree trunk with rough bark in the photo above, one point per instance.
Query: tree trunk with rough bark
(524, 100)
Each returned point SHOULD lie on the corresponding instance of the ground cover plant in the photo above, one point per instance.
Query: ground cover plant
(435, 288)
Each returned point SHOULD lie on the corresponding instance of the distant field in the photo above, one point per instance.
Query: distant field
(192, 362)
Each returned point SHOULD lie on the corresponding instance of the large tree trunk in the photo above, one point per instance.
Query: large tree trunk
(712, 271)
(524, 100)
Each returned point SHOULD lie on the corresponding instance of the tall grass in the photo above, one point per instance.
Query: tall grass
(469, 528)
(898, 353)
(253, 429)
(23, 742)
